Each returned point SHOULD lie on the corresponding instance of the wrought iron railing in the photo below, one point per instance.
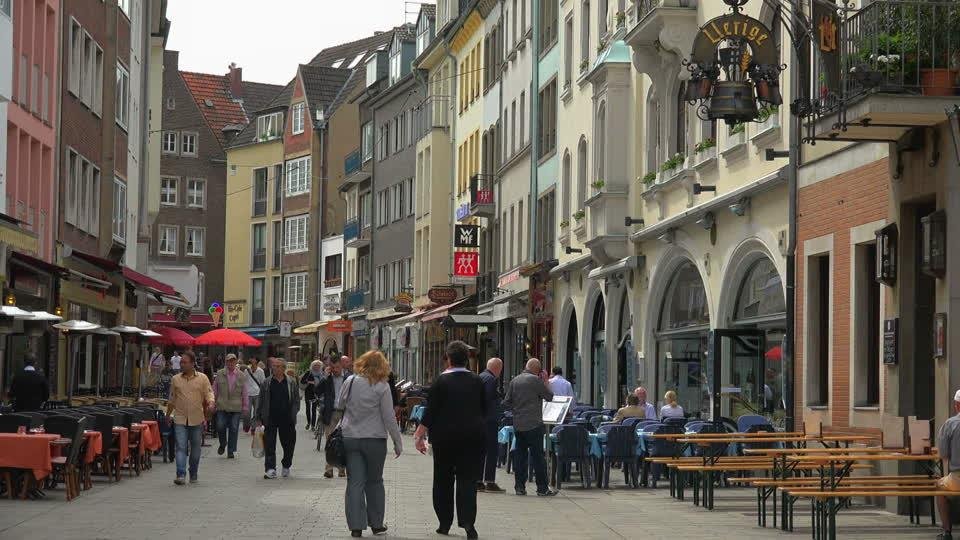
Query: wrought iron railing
(355, 298)
(259, 262)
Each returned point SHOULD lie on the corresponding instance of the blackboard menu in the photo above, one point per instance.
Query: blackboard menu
(891, 335)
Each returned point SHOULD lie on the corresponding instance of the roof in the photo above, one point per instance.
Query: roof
(322, 84)
(428, 10)
(218, 106)
(406, 32)
(257, 95)
(356, 77)
(348, 51)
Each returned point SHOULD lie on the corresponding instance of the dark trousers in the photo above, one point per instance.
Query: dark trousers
(456, 464)
(491, 452)
(311, 412)
(288, 439)
(530, 443)
(228, 424)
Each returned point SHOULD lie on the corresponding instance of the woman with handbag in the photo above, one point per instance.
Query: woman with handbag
(368, 417)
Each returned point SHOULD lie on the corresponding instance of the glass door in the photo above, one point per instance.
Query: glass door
(738, 376)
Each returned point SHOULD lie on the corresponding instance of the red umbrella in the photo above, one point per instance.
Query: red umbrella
(227, 337)
(172, 336)
(775, 354)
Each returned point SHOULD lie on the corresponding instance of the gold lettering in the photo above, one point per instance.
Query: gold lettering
(726, 29)
(714, 38)
(752, 36)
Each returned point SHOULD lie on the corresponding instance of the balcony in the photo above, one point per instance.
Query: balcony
(355, 299)
(655, 25)
(432, 113)
(355, 236)
(482, 202)
(353, 170)
(897, 70)
(607, 237)
(256, 316)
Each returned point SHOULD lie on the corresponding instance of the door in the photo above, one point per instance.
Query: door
(737, 375)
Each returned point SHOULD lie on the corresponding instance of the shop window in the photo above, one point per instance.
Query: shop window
(866, 327)
(818, 330)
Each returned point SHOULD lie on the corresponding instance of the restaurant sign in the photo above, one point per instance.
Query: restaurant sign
(235, 313)
(463, 211)
(404, 302)
(340, 326)
(442, 295)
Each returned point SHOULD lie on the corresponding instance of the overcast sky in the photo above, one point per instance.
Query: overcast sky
(268, 39)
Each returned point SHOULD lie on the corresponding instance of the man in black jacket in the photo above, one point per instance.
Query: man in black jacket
(491, 379)
(29, 388)
(277, 411)
(455, 419)
(329, 392)
(309, 383)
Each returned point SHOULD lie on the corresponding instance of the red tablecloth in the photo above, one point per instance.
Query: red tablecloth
(124, 441)
(147, 439)
(27, 451)
(155, 432)
(94, 445)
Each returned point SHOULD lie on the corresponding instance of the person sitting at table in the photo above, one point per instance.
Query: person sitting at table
(29, 388)
(641, 394)
(671, 409)
(948, 444)
(632, 410)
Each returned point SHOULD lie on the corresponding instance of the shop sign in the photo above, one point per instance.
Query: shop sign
(509, 278)
(285, 328)
(236, 314)
(442, 295)
(331, 303)
(891, 335)
(404, 302)
(463, 211)
(466, 263)
(483, 196)
(340, 326)
(466, 236)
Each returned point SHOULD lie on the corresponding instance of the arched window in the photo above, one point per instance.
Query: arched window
(685, 303)
(581, 173)
(600, 155)
(565, 194)
(681, 146)
(761, 293)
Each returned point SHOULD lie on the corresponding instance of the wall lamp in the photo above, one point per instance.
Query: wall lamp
(741, 206)
(772, 154)
(700, 188)
(569, 250)
(628, 221)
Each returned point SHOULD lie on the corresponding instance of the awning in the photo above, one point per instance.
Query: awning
(142, 281)
(626, 263)
(572, 264)
(96, 283)
(106, 264)
(39, 264)
(385, 313)
(259, 331)
(198, 319)
(443, 311)
(479, 319)
(410, 317)
(310, 328)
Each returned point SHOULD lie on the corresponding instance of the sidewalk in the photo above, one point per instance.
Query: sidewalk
(232, 500)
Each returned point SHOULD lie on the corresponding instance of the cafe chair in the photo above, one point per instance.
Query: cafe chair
(108, 462)
(67, 465)
(11, 423)
(573, 447)
(134, 453)
(657, 448)
(747, 421)
(621, 448)
(631, 422)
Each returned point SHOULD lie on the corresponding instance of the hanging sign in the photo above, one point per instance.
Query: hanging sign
(463, 211)
(466, 264)
(466, 236)
(442, 295)
(340, 326)
(404, 302)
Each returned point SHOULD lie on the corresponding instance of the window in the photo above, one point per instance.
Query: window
(332, 268)
(257, 293)
(383, 208)
(169, 143)
(296, 125)
(513, 128)
(395, 68)
(96, 103)
(383, 143)
(818, 329)
(125, 7)
(196, 192)
(522, 119)
(602, 18)
(396, 202)
(410, 195)
(584, 35)
(119, 209)
(269, 126)
(83, 194)
(188, 144)
(194, 241)
(277, 243)
(600, 152)
(548, 119)
(367, 141)
(295, 291)
(364, 206)
(380, 284)
(85, 79)
(581, 174)
(123, 96)
(296, 230)
(167, 240)
(548, 25)
(423, 34)
(277, 189)
(76, 51)
(258, 247)
(546, 223)
(298, 176)
(867, 327)
(260, 191)
(566, 193)
(168, 191)
(568, 51)
(277, 295)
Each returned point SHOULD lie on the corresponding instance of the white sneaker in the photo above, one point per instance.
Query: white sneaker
(285, 472)
(271, 474)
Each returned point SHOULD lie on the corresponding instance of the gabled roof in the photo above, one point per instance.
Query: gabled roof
(257, 95)
(357, 77)
(349, 51)
(406, 32)
(429, 11)
(322, 84)
(218, 105)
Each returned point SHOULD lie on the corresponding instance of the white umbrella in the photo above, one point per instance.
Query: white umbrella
(127, 330)
(76, 326)
(15, 312)
(44, 316)
(68, 327)
(150, 334)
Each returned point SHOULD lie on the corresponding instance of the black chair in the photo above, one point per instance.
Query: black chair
(67, 466)
(108, 462)
(621, 448)
(11, 423)
(573, 447)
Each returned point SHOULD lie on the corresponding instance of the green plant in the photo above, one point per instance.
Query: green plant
(601, 46)
(564, 224)
(621, 18)
(673, 162)
(766, 112)
(598, 184)
(649, 178)
(584, 64)
(579, 215)
(704, 145)
(738, 128)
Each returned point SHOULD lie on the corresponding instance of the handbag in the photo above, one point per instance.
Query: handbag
(335, 451)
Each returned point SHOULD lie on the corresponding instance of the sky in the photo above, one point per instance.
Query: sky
(268, 39)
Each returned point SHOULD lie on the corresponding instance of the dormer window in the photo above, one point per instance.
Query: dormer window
(395, 63)
(424, 35)
(269, 126)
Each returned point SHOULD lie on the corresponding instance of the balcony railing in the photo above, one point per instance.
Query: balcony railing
(351, 231)
(352, 162)
(259, 260)
(356, 298)
(897, 46)
(642, 8)
(432, 113)
(256, 316)
(482, 202)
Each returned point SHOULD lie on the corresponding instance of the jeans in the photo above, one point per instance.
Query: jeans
(365, 498)
(288, 440)
(228, 423)
(252, 403)
(194, 436)
(491, 453)
(311, 412)
(530, 443)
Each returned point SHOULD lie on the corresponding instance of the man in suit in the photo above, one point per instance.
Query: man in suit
(490, 378)
(328, 393)
(277, 411)
(29, 388)
(525, 397)
(455, 420)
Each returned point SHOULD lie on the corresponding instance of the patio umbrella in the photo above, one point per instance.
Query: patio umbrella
(145, 335)
(227, 337)
(775, 354)
(73, 327)
(166, 335)
(44, 316)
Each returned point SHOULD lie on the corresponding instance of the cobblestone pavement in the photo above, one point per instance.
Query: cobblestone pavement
(232, 500)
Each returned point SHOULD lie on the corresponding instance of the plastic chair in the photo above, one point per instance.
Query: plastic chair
(621, 448)
(595, 422)
(573, 447)
(67, 466)
(631, 422)
(658, 448)
(747, 421)
(675, 422)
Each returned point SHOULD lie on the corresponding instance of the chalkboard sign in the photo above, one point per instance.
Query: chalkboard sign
(891, 335)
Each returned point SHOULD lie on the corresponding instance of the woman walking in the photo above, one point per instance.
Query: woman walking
(368, 417)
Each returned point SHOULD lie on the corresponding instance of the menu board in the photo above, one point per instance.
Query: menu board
(555, 411)
(890, 338)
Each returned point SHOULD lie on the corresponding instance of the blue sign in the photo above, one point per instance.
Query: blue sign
(463, 211)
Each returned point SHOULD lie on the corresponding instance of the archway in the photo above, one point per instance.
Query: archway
(598, 353)
(572, 353)
(626, 352)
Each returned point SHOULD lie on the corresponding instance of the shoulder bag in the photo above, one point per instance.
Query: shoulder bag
(334, 449)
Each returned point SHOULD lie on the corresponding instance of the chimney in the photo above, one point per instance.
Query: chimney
(236, 80)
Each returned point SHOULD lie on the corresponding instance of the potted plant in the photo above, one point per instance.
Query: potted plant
(584, 64)
(649, 178)
(579, 215)
(601, 45)
(621, 19)
(564, 224)
(766, 112)
(704, 145)
(738, 128)
(598, 184)
(673, 163)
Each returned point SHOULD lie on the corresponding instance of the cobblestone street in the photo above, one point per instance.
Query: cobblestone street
(232, 500)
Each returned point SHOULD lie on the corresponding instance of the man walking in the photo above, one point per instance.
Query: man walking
(175, 361)
(252, 384)
(230, 391)
(490, 378)
(455, 420)
(561, 386)
(191, 400)
(29, 388)
(309, 383)
(329, 393)
(525, 396)
(279, 405)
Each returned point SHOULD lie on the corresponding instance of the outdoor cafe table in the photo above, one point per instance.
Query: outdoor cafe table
(27, 451)
(150, 440)
(123, 441)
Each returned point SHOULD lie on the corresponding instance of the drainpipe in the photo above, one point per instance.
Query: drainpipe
(534, 138)
(373, 203)
(453, 149)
